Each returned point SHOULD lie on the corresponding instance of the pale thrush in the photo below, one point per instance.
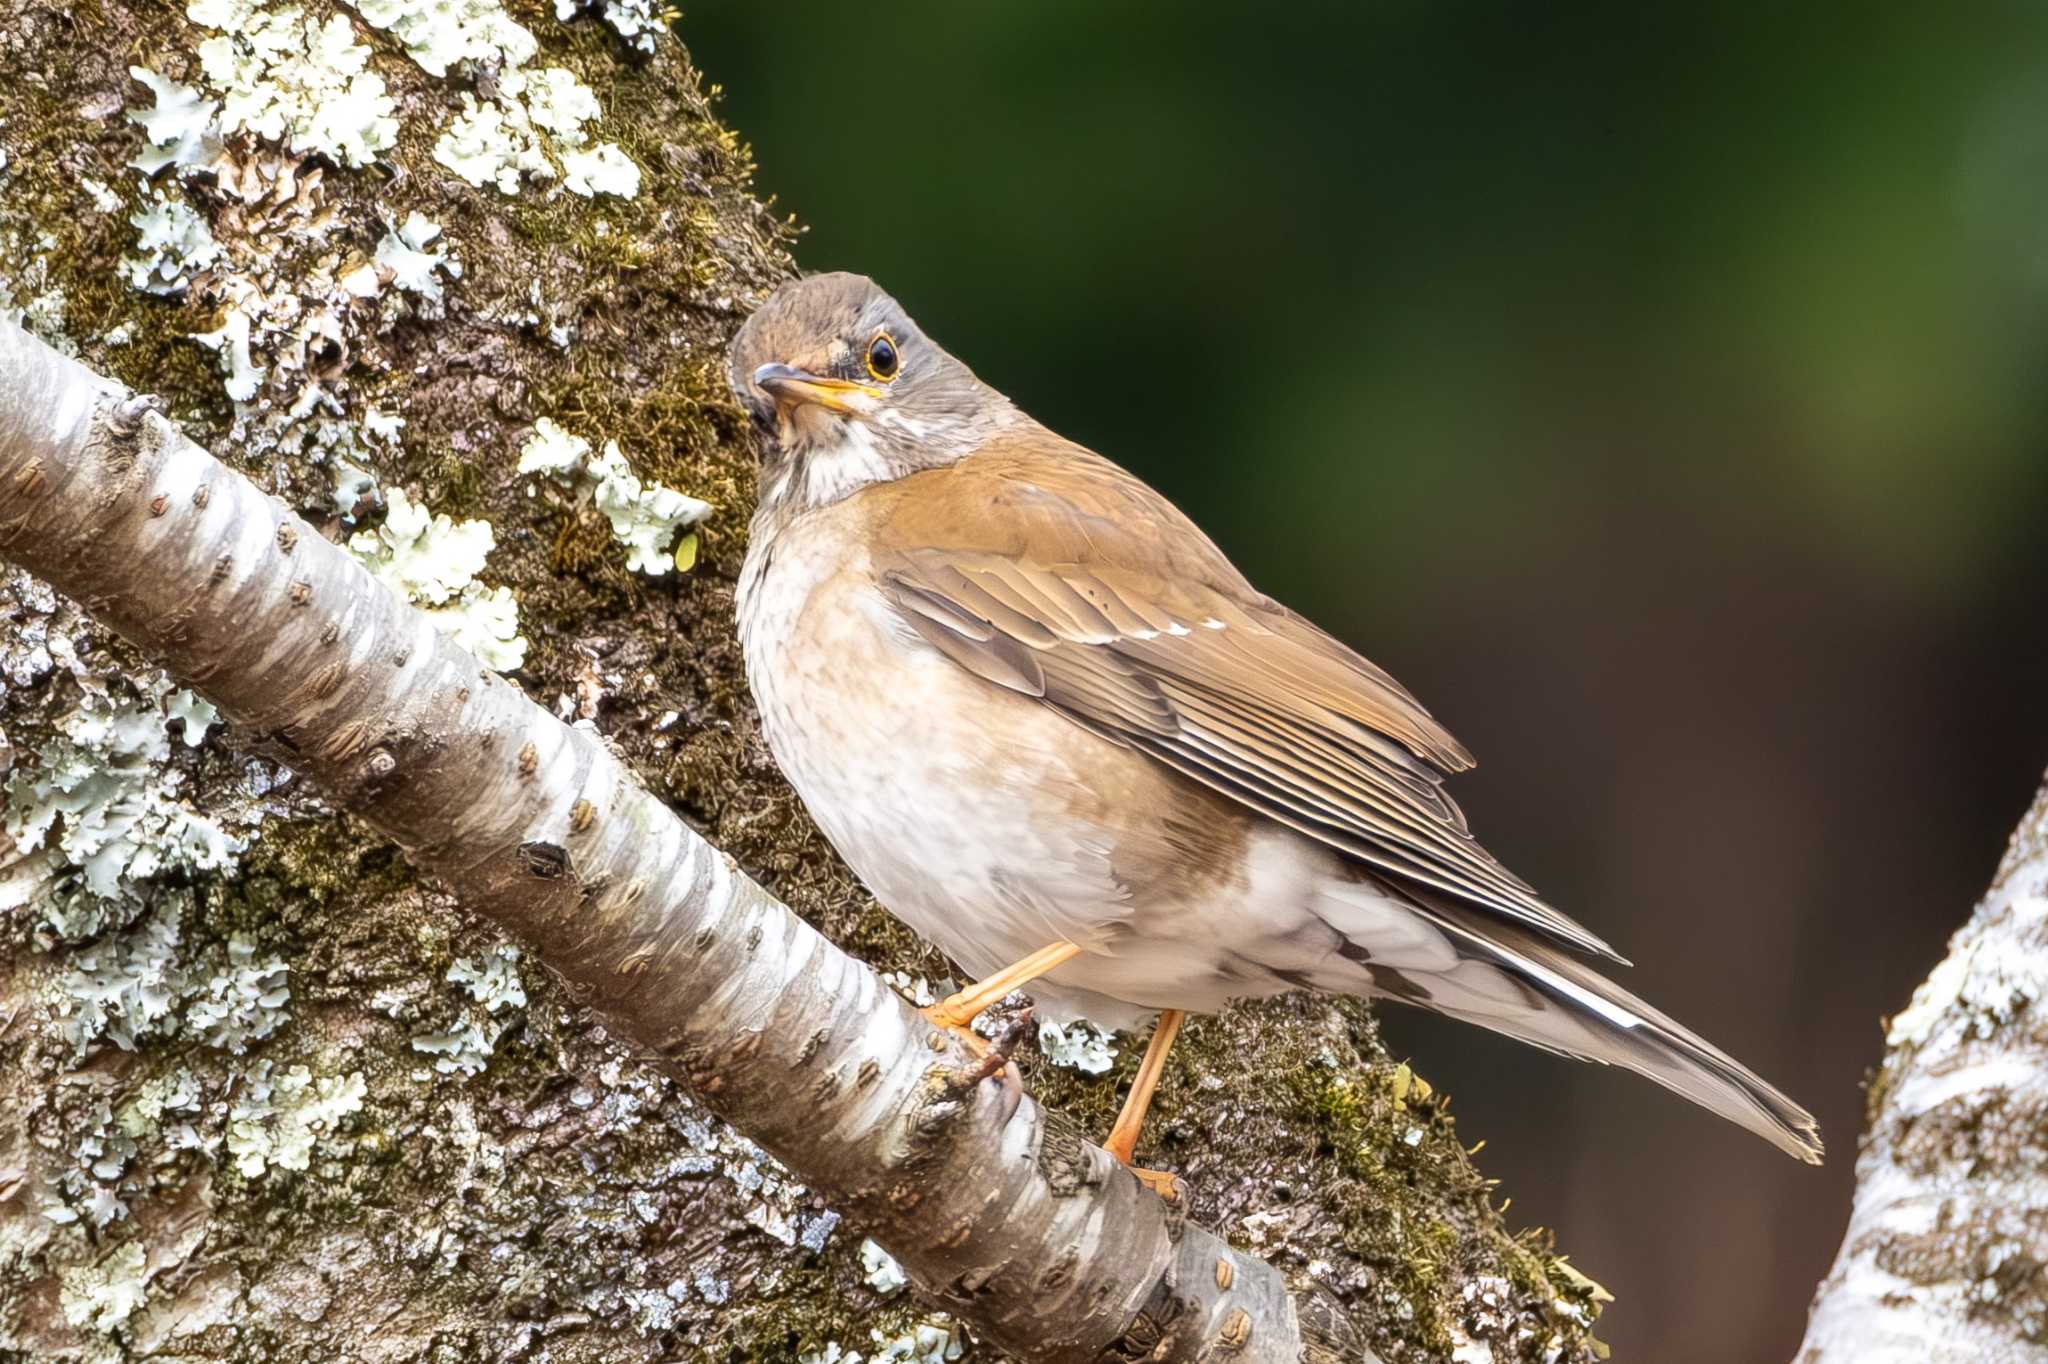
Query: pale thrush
(1057, 733)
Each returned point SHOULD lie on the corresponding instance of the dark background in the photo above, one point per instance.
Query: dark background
(1656, 390)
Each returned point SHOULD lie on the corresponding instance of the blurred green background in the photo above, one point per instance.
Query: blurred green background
(1656, 390)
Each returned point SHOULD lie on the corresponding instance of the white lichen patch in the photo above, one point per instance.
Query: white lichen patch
(528, 122)
(290, 78)
(936, 1341)
(492, 978)
(884, 1275)
(347, 451)
(354, 486)
(652, 1310)
(30, 299)
(408, 257)
(231, 338)
(125, 987)
(142, 1115)
(194, 713)
(644, 517)
(536, 125)
(1078, 1045)
(488, 145)
(440, 34)
(603, 169)
(426, 558)
(240, 1001)
(432, 562)
(774, 1203)
(182, 127)
(1490, 1312)
(383, 428)
(102, 1295)
(102, 796)
(637, 21)
(133, 984)
(277, 1118)
(90, 1190)
(1973, 993)
(552, 451)
(464, 1049)
(172, 244)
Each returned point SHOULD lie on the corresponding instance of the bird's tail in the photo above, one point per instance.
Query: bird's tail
(1513, 982)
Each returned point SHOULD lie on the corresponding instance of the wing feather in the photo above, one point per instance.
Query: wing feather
(1103, 602)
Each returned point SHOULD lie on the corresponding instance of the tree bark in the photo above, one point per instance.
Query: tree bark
(1946, 1257)
(265, 1094)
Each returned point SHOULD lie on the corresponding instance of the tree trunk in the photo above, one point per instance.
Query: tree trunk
(266, 1094)
(1946, 1256)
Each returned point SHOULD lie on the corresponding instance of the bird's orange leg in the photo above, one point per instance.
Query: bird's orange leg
(1123, 1138)
(956, 1011)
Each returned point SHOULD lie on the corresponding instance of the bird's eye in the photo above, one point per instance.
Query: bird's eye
(882, 358)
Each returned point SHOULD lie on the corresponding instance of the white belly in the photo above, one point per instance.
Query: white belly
(884, 741)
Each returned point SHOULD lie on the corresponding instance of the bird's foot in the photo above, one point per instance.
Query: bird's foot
(956, 1011)
(1121, 1144)
(940, 1017)
(995, 1059)
(960, 1009)
(1161, 1182)
(995, 1055)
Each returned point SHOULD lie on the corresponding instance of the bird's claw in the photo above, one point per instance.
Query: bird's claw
(995, 1060)
(1161, 1182)
(995, 1056)
(969, 1038)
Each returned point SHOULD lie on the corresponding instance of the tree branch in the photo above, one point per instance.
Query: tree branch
(1946, 1256)
(1010, 1220)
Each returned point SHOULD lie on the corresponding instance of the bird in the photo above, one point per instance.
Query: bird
(1055, 731)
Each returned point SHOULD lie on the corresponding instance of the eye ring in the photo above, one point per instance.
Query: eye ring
(884, 360)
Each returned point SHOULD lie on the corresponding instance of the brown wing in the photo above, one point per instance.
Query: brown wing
(1105, 602)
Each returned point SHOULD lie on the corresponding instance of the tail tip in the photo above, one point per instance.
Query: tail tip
(1796, 1132)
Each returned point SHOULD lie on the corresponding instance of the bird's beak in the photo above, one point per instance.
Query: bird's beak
(790, 386)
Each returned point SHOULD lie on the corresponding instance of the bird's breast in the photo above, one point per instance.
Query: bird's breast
(956, 802)
(984, 819)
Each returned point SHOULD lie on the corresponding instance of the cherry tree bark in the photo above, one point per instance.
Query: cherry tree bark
(264, 1092)
(1946, 1256)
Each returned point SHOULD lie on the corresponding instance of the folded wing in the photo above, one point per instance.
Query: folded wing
(1123, 617)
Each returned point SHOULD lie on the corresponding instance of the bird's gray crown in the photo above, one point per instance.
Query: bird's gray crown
(846, 391)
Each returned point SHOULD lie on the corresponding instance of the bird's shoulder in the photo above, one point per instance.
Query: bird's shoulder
(1036, 496)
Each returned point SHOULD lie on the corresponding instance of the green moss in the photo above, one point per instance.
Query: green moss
(85, 246)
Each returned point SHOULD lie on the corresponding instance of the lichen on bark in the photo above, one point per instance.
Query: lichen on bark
(568, 1201)
(1946, 1255)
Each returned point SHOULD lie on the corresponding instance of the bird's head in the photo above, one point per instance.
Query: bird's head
(846, 391)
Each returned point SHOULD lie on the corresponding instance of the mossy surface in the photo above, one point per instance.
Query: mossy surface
(551, 1205)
